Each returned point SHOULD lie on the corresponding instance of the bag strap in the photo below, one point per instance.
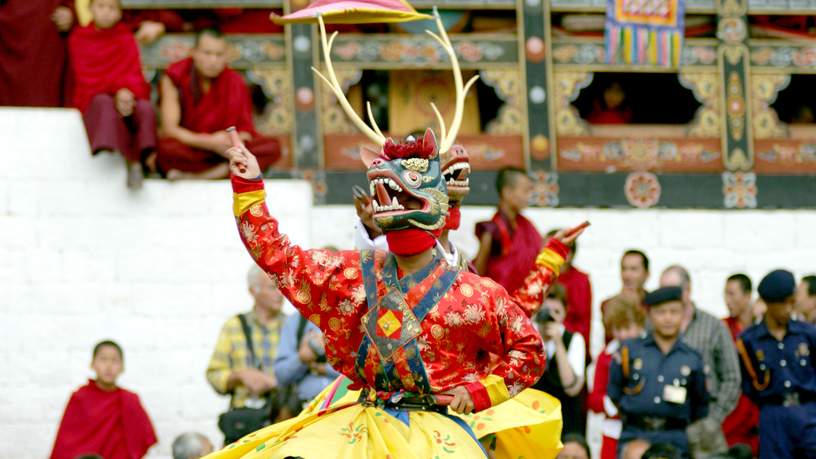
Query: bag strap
(300, 330)
(248, 338)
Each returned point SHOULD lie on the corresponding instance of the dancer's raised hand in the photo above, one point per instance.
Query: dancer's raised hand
(569, 235)
(242, 162)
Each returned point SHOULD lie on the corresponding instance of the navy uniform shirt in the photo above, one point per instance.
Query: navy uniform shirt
(646, 382)
(773, 370)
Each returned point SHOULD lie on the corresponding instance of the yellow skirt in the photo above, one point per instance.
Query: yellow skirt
(528, 425)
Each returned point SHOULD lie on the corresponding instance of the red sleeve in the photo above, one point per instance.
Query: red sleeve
(132, 77)
(136, 422)
(579, 295)
(309, 279)
(176, 70)
(68, 435)
(518, 345)
(596, 396)
(532, 292)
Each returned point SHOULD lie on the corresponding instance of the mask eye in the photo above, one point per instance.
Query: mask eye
(412, 179)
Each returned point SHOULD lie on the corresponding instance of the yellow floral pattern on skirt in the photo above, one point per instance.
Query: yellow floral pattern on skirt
(526, 426)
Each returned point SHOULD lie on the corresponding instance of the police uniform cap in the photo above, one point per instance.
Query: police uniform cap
(663, 295)
(777, 286)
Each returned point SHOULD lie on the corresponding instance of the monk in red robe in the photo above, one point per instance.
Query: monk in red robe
(508, 243)
(200, 98)
(109, 88)
(102, 418)
(32, 51)
(742, 425)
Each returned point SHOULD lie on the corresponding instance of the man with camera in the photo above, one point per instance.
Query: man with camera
(564, 376)
(300, 364)
(242, 362)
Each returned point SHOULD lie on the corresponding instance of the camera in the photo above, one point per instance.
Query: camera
(544, 315)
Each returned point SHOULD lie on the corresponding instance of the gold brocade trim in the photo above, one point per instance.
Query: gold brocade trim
(243, 201)
(496, 389)
(549, 259)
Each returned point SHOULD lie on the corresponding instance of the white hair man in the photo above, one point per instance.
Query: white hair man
(243, 372)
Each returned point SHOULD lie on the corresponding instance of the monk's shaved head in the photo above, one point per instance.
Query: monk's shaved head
(210, 53)
(105, 13)
(209, 32)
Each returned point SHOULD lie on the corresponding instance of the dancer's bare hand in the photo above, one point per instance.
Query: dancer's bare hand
(461, 403)
(242, 163)
(569, 235)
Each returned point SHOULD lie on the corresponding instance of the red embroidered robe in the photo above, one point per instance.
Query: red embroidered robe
(472, 320)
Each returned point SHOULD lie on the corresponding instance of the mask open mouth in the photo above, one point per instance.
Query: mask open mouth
(390, 197)
(457, 174)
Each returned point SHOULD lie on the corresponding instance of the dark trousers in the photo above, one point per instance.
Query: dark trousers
(787, 432)
(676, 438)
(108, 130)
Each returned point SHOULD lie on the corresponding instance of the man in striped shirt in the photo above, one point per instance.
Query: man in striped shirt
(708, 336)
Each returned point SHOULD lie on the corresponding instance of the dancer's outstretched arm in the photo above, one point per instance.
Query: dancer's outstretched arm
(530, 296)
(316, 282)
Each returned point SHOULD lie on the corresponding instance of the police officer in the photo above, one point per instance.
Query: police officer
(778, 357)
(657, 382)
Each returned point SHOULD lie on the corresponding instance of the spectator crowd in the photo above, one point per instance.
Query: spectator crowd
(671, 381)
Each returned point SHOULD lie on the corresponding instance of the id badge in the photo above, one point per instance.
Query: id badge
(674, 394)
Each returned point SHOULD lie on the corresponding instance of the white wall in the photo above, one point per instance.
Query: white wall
(83, 259)
(159, 270)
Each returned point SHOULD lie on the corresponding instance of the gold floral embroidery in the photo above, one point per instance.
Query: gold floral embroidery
(334, 324)
(350, 273)
(256, 209)
(437, 331)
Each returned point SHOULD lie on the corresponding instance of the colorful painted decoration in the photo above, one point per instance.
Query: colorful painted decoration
(644, 32)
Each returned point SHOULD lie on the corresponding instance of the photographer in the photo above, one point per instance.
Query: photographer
(564, 376)
(301, 363)
(241, 363)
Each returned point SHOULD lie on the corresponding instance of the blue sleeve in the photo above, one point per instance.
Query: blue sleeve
(699, 394)
(614, 389)
(288, 366)
(745, 352)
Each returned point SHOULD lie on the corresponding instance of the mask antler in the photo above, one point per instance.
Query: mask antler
(375, 135)
(449, 137)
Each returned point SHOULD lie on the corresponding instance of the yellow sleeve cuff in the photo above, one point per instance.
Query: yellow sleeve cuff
(241, 202)
(551, 260)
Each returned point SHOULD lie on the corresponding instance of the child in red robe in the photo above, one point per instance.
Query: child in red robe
(108, 86)
(200, 98)
(102, 418)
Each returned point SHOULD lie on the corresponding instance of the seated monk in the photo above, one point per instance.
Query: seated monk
(200, 98)
(109, 88)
